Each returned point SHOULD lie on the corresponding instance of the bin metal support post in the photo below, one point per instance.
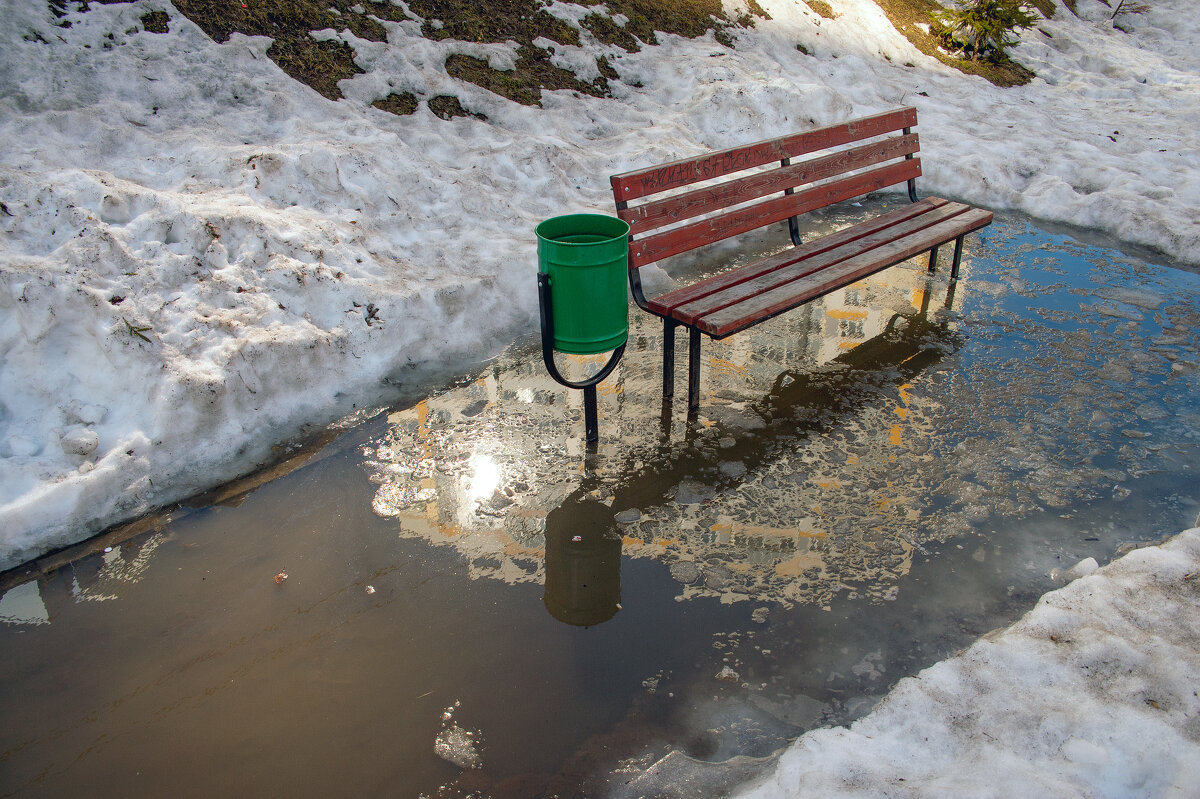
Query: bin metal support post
(591, 422)
(590, 416)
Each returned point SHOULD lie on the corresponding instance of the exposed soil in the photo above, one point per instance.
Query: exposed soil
(625, 24)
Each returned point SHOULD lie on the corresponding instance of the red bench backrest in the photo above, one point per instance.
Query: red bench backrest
(735, 205)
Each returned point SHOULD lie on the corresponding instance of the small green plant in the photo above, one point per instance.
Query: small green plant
(985, 28)
(1124, 8)
(138, 330)
(1127, 7)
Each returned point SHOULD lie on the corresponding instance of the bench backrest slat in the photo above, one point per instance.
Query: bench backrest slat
(676, 208)
(634, 185)
(670, 242)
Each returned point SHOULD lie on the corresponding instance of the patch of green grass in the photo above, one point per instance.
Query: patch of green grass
(322, 64)
(319, 64)
(822, 8)
(289, 22)
(905, 15)
(491, 21)
(687, 18)
(156, 22)
(401, 104)
(523, 21)
(609, 32)
(525, 83)
(1045, 7)
(447, 106)
(757, 10)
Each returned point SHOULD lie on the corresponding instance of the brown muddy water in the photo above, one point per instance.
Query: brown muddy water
(453, 598)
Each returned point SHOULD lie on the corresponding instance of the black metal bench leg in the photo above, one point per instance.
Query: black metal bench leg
(958, 249)
(693, 368)
(669, 326)
(933, 259)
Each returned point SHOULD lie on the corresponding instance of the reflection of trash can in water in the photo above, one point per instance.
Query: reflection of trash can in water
(586, 257)
(583, 564)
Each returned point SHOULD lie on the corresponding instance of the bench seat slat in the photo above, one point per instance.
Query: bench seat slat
(698, 202)
(757, 307)
(705, 306)
(666, 303)
(707, 231)
(638, 183)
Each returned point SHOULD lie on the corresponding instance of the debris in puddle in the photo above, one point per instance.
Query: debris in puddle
(456, 745)
(279, 578)
(370, 589)
(628, 516)
(651, 683)
(727, 674)
(759, 616)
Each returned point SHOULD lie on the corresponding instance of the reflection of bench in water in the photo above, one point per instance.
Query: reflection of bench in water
(811, 401)
(582, 576)
(730, 201)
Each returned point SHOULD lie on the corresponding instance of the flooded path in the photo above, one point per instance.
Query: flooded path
(453, 599)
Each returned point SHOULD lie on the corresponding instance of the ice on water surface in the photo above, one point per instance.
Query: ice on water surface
(871, 483)
(457, 745)
(218, 256)
(913, 415)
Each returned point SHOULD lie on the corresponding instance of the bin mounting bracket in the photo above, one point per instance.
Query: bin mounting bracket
(590, 421)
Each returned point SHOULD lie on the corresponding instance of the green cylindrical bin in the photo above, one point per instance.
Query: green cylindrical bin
(586, 257)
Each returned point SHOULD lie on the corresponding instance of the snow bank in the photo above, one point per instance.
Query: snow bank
(198, 255)
(1091, 694)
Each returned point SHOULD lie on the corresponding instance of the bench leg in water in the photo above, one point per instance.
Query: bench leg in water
(933, 259)
(669, 326)
(958, 249)
(693, 369)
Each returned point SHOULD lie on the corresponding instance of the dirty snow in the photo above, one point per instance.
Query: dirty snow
(1091, 694)
(199, 256)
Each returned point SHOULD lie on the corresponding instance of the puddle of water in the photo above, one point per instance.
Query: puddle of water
(455, 599)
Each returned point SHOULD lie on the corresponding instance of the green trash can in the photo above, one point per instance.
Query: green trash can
(586, 257)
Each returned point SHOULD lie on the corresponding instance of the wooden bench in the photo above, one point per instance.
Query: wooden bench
(851, 159)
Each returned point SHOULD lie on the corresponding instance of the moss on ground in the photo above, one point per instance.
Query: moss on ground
(446, 106)
(822, 8)
(525, 83)
(523, 21)
(322, 64)
(290, 23)
(156, 22)
(401, 104)
(609, 32)
(1045, 7)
